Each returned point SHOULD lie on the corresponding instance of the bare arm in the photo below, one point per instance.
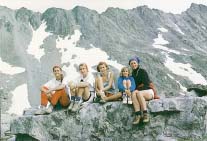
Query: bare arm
(82, 84)
(111, 80)
(42, 89)
(60, 87)
(96, 85)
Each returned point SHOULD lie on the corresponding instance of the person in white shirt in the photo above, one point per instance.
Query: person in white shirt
(82, 89)
(54, 91)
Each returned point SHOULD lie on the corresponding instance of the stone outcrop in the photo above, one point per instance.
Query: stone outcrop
(201, 90)
(180, 118)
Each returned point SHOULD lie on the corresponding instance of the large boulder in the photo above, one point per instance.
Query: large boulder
(201, 90)
(171, 119)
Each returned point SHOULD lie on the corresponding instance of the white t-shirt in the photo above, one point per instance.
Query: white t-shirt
(55, 83)
(89, 78)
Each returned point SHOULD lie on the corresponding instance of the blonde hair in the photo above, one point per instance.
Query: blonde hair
(125, 68)
(83, 64)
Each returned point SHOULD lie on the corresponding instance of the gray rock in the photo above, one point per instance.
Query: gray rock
(181, 118)
(201, 90)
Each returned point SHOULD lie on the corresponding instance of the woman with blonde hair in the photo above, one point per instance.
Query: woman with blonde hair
(82, 89)
(126, 85)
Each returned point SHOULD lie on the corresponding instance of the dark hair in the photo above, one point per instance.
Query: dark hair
(53, 69)
(102, 63)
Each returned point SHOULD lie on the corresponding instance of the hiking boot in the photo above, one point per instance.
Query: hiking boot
(76, 106)
(102, 101)
(96, 99)
(41, 110)
(49, 109)
(146, 117)
(124, 99)
(136, 119)
(71, 105)
(129, 100)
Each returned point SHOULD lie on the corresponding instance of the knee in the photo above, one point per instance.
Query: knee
(128, 82)
(134, 95)
(86, 88)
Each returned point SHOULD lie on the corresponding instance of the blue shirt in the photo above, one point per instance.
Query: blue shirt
(121, 86)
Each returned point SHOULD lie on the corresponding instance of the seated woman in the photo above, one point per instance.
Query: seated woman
(126, 85)
(53, 91)
(82, 88)
(143, 91)
(104, 82)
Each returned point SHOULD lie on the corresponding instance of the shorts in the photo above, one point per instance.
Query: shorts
(150, 91)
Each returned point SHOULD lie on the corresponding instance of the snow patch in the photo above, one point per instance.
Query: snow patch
(9, 69)
(162, 29)
(19, 100)
(184, 70)
(171, 76)
(158, 42)
(203, 27)
(178, 29)
(92, 56)
(181, 86)
(38, 37)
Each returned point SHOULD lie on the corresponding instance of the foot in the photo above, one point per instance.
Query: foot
(76, 106)
(102, 94)
(41, 110)
(71, 106)
(49, 109)
(136, 120)
(129, 100)
(146, 117)
(124, 99)
(96, 99)
(102, 101)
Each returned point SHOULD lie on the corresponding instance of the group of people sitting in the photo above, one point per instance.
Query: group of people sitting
(133, 88)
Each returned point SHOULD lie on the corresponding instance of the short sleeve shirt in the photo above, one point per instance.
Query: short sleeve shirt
(89, 78)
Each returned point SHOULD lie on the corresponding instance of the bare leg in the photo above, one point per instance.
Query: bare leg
(135, 101)
(99, 85)
(128, 84)
(142, 97)
(113, 97)
(125, 84)
(72, 88)
(86, 93)
(80, 92)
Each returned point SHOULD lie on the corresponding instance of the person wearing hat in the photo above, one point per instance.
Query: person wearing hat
(143, 91)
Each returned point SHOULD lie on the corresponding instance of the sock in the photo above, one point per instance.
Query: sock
(138, 113)
(77, 98)
(72, 98)
(145, 111)
(48, 104)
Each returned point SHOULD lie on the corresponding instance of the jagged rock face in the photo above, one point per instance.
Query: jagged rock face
(180, 118)
(201, 90)
(121, 33)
